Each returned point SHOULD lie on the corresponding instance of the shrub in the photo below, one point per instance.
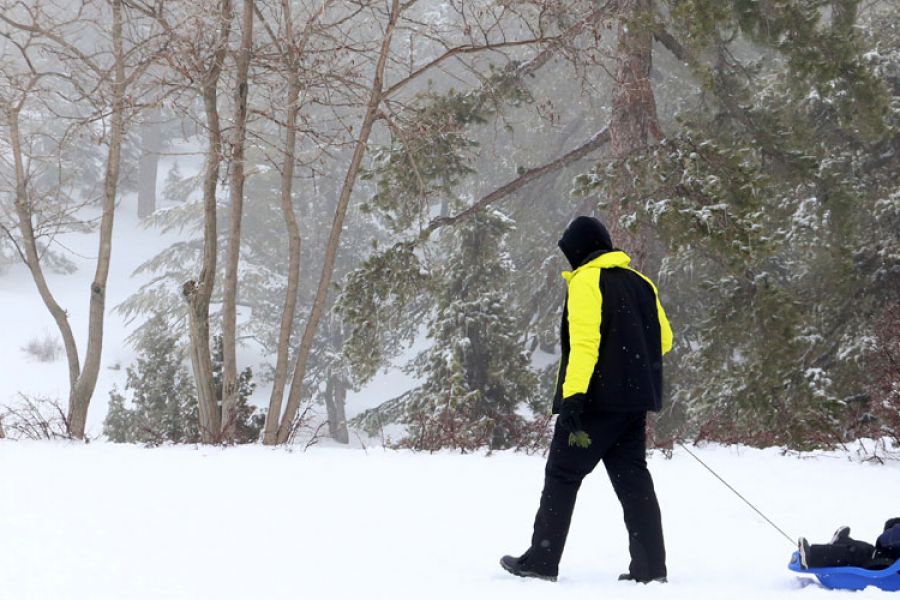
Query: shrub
(34, 418)
(163, 402)
(46, 349)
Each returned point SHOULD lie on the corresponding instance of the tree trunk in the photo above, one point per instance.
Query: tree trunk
(318, 308)
(80, 397)
(82, 380)
(634, 106)
(199, 293)
(32, 255)
(335, 405)
(633, 117)
(151, 144)
(294, 242)
(229, 303)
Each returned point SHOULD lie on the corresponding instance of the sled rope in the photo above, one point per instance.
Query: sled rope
(738, 494)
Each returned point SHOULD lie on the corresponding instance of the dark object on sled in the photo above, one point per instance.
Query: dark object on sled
(851, 578)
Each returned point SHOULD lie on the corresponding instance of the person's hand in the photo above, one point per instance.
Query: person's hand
(570, 420)
(570, 412)
(580, 439)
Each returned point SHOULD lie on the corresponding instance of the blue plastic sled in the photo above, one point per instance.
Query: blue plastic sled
(851, 578)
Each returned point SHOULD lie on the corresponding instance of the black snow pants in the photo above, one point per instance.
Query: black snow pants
(845, 553)
(619, 440)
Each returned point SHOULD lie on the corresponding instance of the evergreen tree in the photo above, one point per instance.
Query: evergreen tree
(249, 421)
(177, 187)
(477, 377)
(768, 211)
(777, 203)
(163, 402)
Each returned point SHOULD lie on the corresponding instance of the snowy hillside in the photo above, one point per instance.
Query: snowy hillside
(106, 521)
(25, 320)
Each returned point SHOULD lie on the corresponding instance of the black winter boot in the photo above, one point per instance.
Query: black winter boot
(804, 549)
(518, 567)
(630, 577)
(841, 535)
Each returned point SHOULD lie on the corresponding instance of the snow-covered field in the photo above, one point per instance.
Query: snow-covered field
(104, 521)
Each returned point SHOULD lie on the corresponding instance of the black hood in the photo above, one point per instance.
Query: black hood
(584, 237)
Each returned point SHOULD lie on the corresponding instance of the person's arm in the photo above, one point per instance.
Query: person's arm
(890, 539)
(665, 329)
(584, 307)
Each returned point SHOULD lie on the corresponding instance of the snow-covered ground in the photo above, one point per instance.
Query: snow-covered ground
(104, 521)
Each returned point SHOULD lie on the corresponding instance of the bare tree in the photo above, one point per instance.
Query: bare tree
(97, 80)
(377, 94)
(198, 36)
(318, 308)
(291, 51)
(199, 293)
(229, 303)
(358, 96)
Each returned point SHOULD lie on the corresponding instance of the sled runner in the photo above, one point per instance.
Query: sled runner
(851, 578)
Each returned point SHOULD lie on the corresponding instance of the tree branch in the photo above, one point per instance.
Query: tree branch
(662, 35)
(596, 141)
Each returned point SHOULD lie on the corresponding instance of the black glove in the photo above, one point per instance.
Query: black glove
(570, 413)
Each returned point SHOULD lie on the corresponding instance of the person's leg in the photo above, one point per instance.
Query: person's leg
(566, 467)
(847, 553)
(626, 464)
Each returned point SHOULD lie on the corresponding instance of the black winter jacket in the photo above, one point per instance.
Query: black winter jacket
(613, 334)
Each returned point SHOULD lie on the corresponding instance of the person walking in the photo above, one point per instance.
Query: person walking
(614, 333)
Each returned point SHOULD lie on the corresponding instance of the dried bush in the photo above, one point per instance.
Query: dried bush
(46, 349)
(35, 418)
(305, 429)
(461, 429)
